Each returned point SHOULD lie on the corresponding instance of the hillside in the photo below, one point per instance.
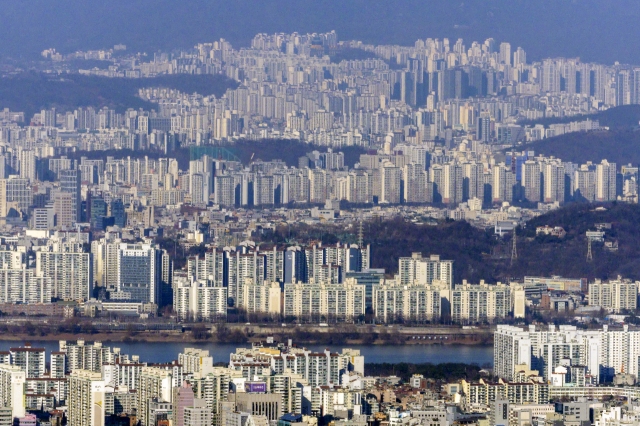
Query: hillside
(478, 254)
(287, 150)
(30, 91)
(616, 118)
(567, 257)
(618, 146)
(468, 246)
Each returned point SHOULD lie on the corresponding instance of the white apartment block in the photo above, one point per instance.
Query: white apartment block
(345, 301)
(482, 302)
(615, 296)
(261, 298)
(124, 374)
(213, 386)
(70, 273)
(86, 399)
(154, 383)
(194, 360)
(316, 368)
(30, 360)
(23, 286)
(83, 355)
(422, 270)
(198, 299)
(604, 352)
(393, 300)
(12, 381)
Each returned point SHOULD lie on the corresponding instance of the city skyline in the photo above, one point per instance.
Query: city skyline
(449, 189)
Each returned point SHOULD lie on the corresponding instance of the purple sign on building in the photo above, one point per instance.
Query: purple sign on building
(255, 387)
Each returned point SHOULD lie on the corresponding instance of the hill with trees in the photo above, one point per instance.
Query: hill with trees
(287, 150)
(567, 256)
(479, 254)
(618, 146)
(31, 91)
(616, 118)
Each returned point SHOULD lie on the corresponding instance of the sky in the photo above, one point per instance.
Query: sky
(595, 30)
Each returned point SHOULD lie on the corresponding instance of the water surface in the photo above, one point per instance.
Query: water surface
(159, 352)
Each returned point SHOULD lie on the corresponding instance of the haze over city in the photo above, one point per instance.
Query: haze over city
(319, 213)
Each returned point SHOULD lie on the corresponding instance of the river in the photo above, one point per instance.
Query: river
(162, 352)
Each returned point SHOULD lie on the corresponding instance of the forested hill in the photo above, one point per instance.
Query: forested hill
(617, 146)
(567, 257)
(620, 144)
(30, 91)
(287, 150)
(617, 118)
(478, 254)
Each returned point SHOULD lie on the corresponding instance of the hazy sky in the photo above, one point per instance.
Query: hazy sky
(595, 30)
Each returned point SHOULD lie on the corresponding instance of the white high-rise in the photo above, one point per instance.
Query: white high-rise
(615, 295)
(68, 269)
(12, 382)
(28, 165)
(86, 399)
(605, 181)
(604, 352)
(505, 53)
(155, 383)
(391, 178)
(554, 182)
(531, 180)
(198, 299)
(423, 270)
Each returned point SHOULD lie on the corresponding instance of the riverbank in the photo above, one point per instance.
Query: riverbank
(242, 333)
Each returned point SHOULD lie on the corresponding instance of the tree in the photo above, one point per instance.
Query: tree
(200, 332)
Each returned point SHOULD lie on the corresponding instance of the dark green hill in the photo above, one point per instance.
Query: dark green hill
(567, 257)
(621, 144)
(30, 91)
(618, 146)
(478, 254)
(621, 117)
(287, 150)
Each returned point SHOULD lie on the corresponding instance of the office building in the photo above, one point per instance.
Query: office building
(70, 183)
(139, 272)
